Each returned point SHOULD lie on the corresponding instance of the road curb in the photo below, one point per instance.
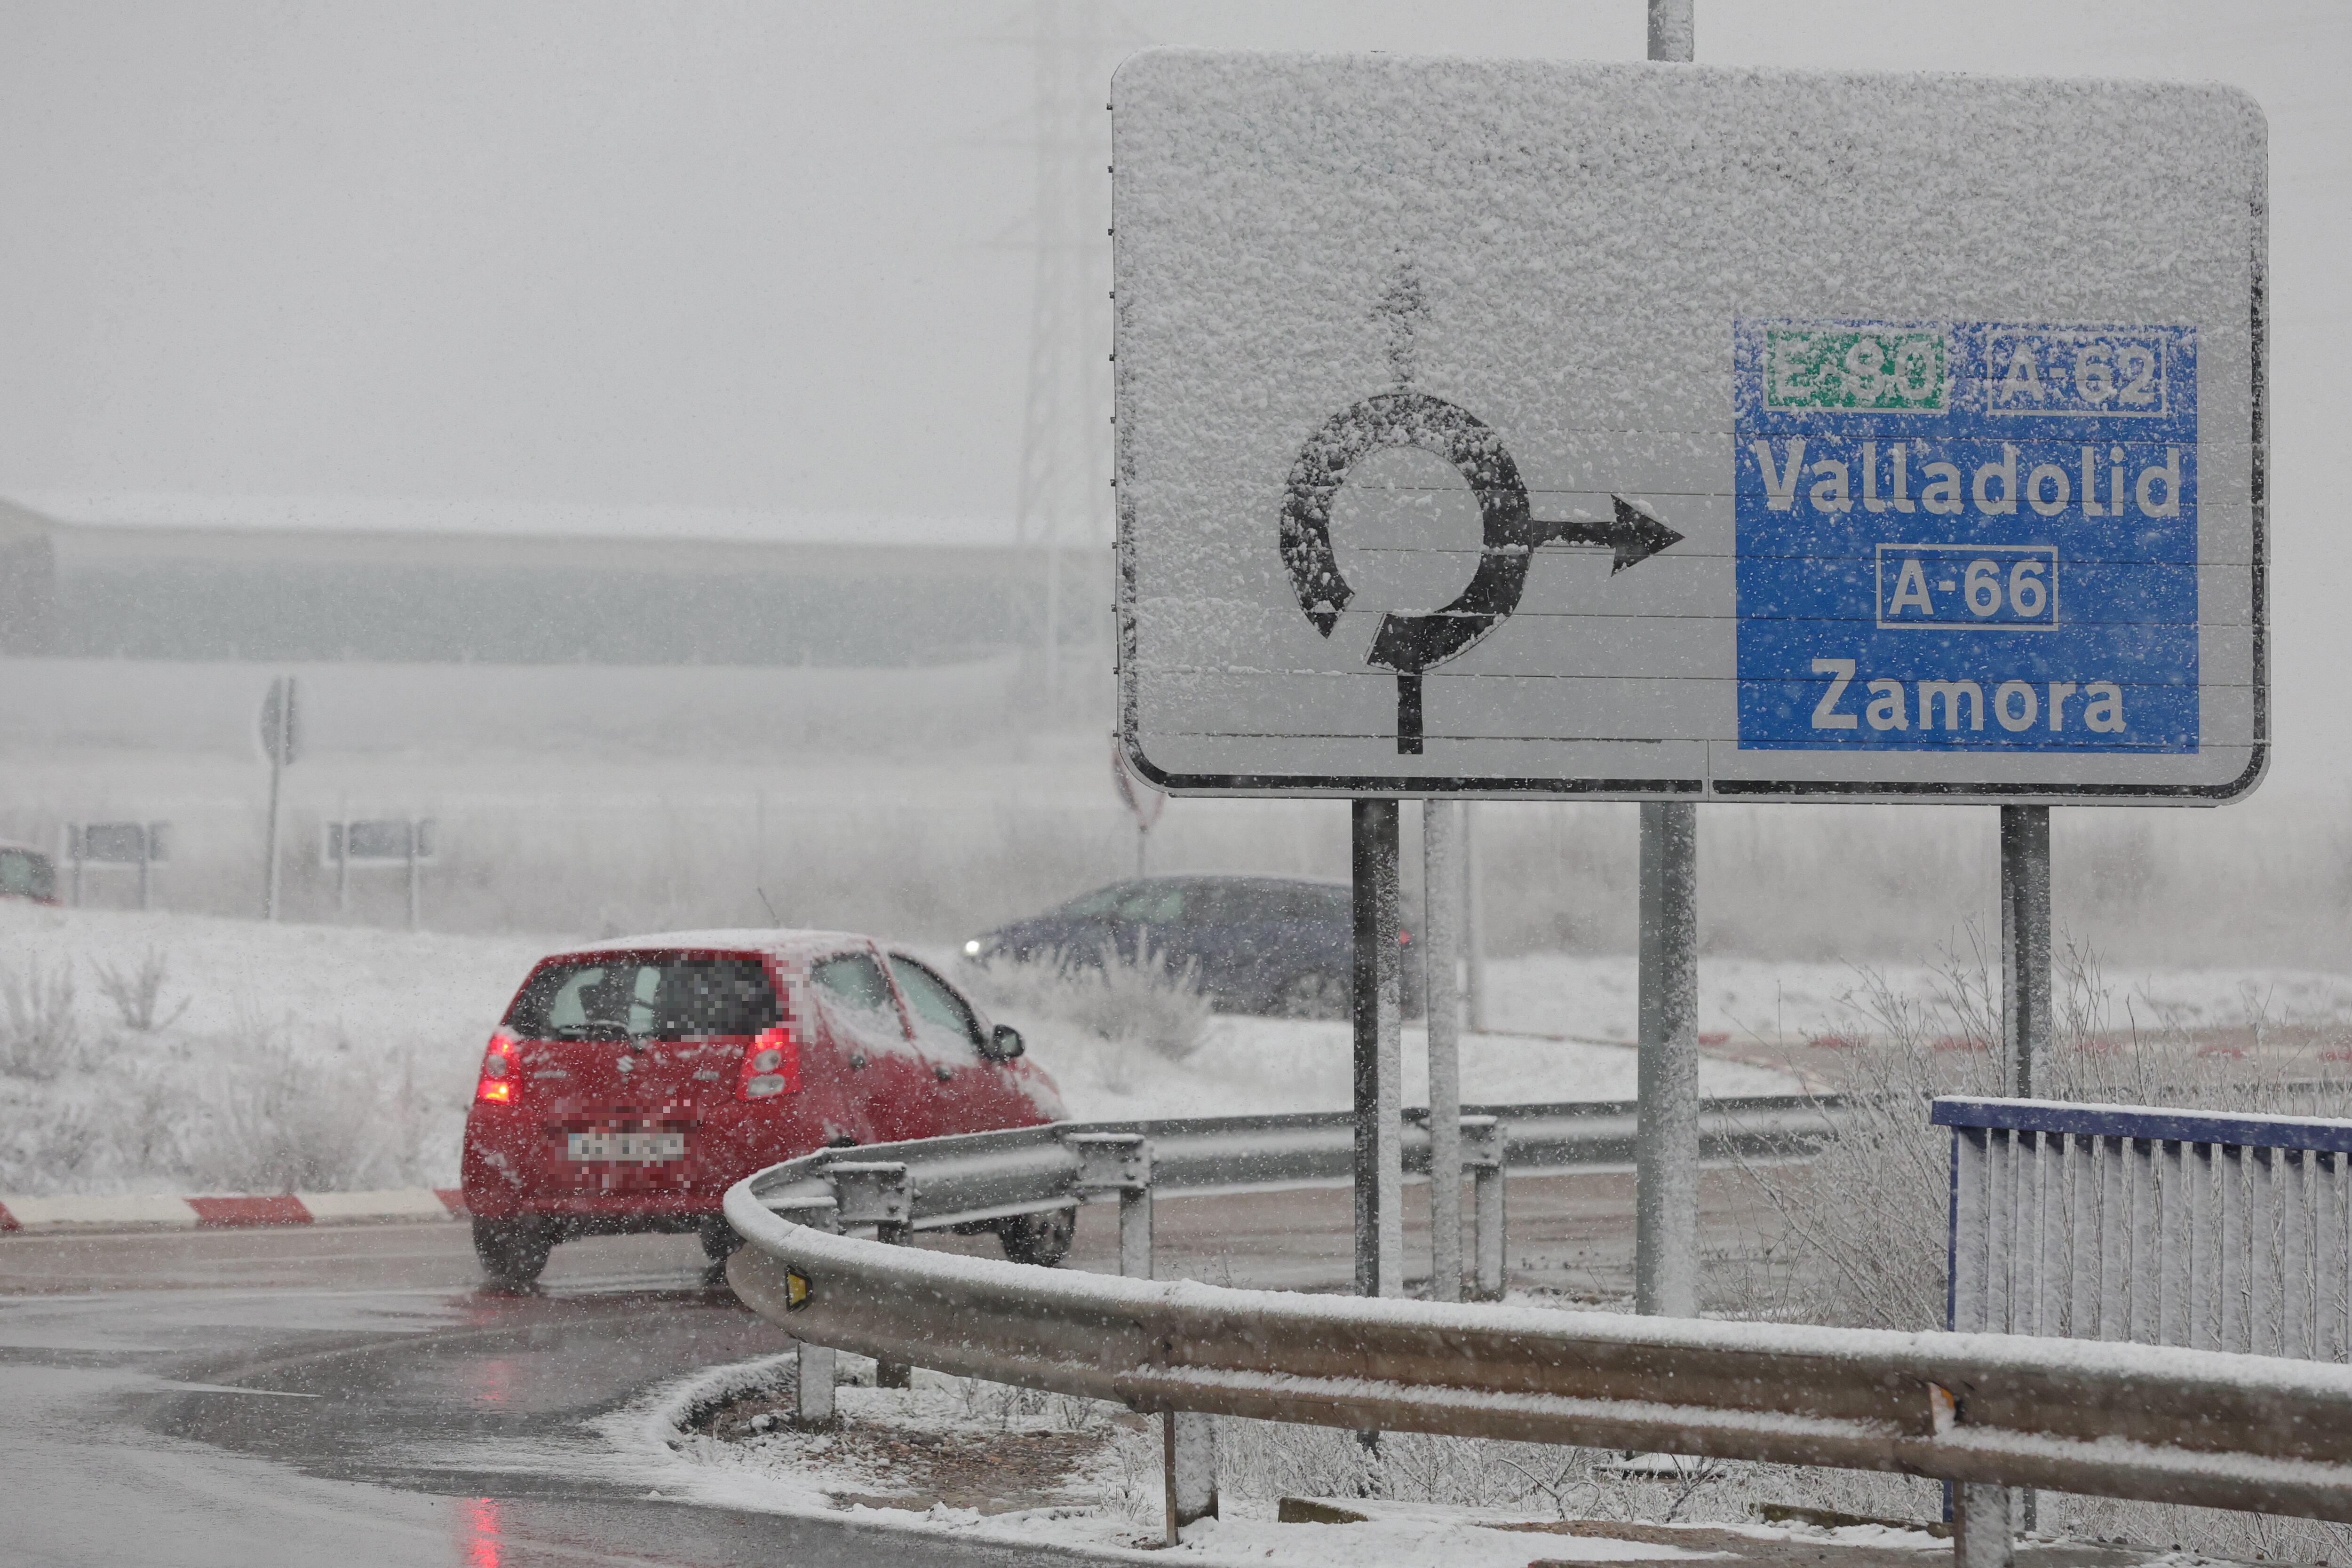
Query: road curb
(90, 1215)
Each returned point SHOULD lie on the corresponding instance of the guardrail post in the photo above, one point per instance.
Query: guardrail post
(812, 1403)
(1189, 1452)
(1119, 1163)
(878, 1192)
(1982, 1536)
(1482, 1152)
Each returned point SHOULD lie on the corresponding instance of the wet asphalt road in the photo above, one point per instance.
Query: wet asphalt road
(352, 1395)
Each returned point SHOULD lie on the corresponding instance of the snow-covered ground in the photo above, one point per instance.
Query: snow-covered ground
(1753, 1002)
(1252, 1064)
(1104, 1498)
(958, 1460)
(327, 1057)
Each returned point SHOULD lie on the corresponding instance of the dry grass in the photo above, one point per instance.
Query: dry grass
(262, 1106)
(1128, 1003)
(40, 1037)
(1882, 1263)
(138, 993)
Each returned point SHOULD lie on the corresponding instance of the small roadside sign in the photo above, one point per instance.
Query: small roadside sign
(281, 741)
(281, 723)
(1650, 432)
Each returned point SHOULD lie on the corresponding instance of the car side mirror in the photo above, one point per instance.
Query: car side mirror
(1004, 1043)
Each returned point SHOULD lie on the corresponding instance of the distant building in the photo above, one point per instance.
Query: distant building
(28, 582)
(307, 595)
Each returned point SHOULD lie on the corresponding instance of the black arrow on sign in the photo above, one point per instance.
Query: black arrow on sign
(1409, 644)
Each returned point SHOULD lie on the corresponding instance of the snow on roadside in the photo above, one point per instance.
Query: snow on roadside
(331, 1058)
(1111, 1514)
(1270, 1065)
(1758, 1002)
(320, 1057)
(326, 1057)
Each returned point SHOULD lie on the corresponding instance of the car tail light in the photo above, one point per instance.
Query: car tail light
(498, 1082)
(771, 1065)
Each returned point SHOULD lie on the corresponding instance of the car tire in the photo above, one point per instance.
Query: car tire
(1312, 995)
(720, 1240)
(513, 1251)
(1041, 1239)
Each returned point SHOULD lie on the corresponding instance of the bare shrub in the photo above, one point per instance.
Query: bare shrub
(1864, 1221)
(1009, 1406)
(1138, 1001)
(137, 994)
(276, 1118)
(39, 1035)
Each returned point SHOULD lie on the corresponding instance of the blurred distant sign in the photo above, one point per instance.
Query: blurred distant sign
(384, 843)
(281, 723)
(1648, 431)
(118, 843)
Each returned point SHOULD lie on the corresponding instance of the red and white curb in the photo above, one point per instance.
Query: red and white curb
(38, 1214)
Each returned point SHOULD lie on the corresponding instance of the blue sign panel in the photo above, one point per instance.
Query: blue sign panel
(1966, 536)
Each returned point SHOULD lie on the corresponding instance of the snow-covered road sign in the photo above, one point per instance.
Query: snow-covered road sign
(1652, 431)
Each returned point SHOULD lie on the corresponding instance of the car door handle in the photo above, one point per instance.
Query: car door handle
(944, 1072)
(857, 1060)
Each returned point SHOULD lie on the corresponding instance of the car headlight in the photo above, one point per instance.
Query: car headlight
(972, 948)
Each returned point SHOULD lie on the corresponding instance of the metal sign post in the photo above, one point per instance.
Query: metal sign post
(1665, 1155)
(1665, 1146)
(414, 828)
(2025, 999)
(1474, 924)
(281, 739)
(1377, 996)
(2025, 953)
(1441, 992)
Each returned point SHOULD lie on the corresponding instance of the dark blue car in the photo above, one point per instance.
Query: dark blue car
(1271, 945)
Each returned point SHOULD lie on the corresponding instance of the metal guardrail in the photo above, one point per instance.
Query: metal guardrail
(2123, 1421)
(2205, 1427)
(977, 1177)
(892, 1190)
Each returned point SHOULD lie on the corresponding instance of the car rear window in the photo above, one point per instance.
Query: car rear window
(26, 874)
(649, 996)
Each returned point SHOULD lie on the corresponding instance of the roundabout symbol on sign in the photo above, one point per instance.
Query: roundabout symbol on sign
(1409, 644)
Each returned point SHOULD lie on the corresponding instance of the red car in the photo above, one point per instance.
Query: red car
(634, 1081)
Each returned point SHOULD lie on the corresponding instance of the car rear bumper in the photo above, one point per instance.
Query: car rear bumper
(515, 1165)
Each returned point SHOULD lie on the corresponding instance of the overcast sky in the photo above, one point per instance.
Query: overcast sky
(428, 262)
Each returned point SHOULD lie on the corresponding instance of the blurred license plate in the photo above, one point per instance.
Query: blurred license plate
(647, 1146)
